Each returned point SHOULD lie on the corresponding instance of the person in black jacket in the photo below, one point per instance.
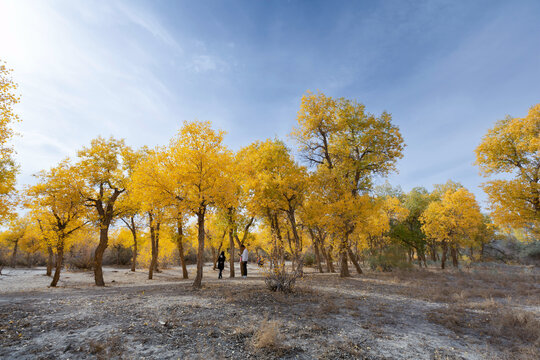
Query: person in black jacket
(221, 264)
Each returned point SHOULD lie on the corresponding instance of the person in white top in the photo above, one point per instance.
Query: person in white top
(243, 260)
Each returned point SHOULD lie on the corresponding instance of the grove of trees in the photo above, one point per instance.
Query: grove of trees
(315, 204)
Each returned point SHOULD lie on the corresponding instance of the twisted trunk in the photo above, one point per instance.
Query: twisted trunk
(354, 260)
(105, 218)
(58, 267)
(344, 272)
(98, 254)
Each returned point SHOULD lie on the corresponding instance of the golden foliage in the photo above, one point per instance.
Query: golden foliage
(456, 218)
(512, 147)
(8, 168)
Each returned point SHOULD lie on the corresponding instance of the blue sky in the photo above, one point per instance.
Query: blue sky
(446, 70)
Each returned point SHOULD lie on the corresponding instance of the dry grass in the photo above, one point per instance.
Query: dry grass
(502, 326)
(453, 285)
(328, 306)
(112, 347)
(451, 317)
(268, 336)
(350, 304)
(522, 325)
(489, 305)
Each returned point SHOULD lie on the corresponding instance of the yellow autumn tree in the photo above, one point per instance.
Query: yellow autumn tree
(153, 202)
(232, 212)
(277, 185)
(201, 162)
(8, 116)
(348, 146)
(57, 202)
(156, 179)
(314, 218)
(453, 221)
(104, 168)
(216, 229)
(32, 245)
(512, 148)
(11, 238)
(130, 206)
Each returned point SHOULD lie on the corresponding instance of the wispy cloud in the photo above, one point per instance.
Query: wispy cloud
(137, 69)
(149, 22)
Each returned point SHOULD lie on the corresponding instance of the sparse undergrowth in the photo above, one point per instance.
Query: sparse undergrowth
(425, 314)
(511, 331)
(280, 280)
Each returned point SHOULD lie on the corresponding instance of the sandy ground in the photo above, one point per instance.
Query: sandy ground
(484, 313)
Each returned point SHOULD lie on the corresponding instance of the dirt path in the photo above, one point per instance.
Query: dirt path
(326, 318)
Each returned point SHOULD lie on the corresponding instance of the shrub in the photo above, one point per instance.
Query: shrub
(117, 255)
(530, 250)
(390, 258)
(80, 256)
(280, 280)
(309, 259)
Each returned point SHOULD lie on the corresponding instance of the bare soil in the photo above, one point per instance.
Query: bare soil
(484, 312)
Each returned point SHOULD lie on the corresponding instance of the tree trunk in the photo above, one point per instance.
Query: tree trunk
(344, 264)
(328, 257)
(433, 252)
(278, 257)
(200, 251)
(443, 258)
(98, 254)
(316, 250)
(421, 258)
(354, 260)
(180, 244)
(214, 258)
(297, 254)
(424, 259)
(59, 260)
(156, 264)
(153, 245)
(49, 260)
(105, 218)
(245, 234)
(293, 258)
(135, 250)
(14, 254)
(454, 254)
(231, 252)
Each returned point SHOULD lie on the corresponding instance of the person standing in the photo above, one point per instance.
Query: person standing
(243, 260)
(221, 264)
